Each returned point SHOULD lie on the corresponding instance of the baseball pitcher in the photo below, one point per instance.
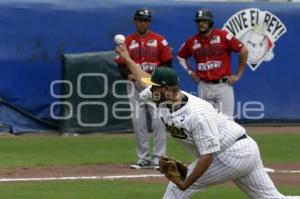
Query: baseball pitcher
(222, 149)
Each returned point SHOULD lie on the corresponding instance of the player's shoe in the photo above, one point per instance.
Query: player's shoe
(156, 167)
(142, 165)
(292, 197)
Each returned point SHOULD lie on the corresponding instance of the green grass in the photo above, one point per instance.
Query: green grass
(279, 148)
(81, 190)
(55, 150)
(24, 151)
(111, 190)
(274, 148)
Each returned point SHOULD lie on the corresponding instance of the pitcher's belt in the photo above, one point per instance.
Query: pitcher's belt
(242, 137)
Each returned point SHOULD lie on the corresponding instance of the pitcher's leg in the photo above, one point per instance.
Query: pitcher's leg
(217, 173)
(258, 184)
(231, 164)
(173, 192)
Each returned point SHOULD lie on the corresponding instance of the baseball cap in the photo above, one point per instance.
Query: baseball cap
(162, 76)
(142, 14)
(204, 14)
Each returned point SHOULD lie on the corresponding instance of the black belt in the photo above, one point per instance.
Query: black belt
(222, 80)
(242, 137)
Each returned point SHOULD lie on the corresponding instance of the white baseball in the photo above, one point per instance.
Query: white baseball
(119, 39)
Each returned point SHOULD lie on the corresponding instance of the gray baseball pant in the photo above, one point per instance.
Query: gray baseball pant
(221, 96)
(139, 121)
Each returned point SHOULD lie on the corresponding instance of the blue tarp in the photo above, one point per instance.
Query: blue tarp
(34, 34)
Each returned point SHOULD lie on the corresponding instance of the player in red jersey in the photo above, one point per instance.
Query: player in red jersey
(211, 49)
(149, 50)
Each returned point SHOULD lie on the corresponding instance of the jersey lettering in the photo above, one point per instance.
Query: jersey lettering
(177, 132)
(209, 65)
(148, 67)
(133, 45)
(152, 43)
(196, 45)
(211, 143)
(215, 40)
(164, 42)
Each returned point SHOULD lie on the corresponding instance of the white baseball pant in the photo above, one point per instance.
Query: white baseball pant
(240, 163)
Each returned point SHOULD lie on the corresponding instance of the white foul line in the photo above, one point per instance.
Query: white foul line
(80, 178)
(288, 171)
(112, 177)
(269, 170)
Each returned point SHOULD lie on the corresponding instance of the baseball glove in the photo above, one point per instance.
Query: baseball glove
(173, 169)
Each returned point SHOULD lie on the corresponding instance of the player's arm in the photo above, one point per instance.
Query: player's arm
(204, 134)
(135, 69)
(243, 56)
(165, 53)
(125, 72)
(237, 46)
(186, 66)
(202, 165)
(182, 56)
(122, 67)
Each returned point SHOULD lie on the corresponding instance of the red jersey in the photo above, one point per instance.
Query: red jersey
(149, 51)
(212, 54)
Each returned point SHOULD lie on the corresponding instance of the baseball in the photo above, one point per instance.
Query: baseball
(119, 39)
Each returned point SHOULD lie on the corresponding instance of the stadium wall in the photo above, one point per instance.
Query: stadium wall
(34, 35)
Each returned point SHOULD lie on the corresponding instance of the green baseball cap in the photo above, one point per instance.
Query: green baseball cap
(162, 76)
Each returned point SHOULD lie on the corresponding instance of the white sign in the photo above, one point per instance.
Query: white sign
(258, 30)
